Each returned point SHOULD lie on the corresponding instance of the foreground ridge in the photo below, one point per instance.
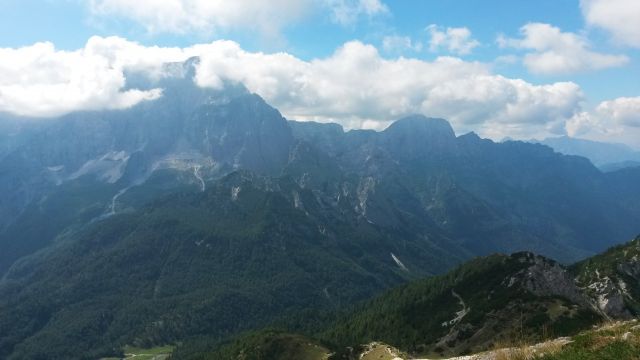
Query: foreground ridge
(521, 306)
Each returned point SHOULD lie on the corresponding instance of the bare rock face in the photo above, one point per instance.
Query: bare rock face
(612, 280)
(545, 277)
(608, 297)
(631, 268)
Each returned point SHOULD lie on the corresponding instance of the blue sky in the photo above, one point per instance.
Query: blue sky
(608, 53)
(67, 23)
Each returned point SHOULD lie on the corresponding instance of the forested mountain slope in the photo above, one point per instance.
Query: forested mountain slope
(205, 213)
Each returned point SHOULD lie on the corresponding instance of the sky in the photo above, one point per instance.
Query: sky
(502, 68)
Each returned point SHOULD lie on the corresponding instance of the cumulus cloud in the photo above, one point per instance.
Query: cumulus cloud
(623, 111)
(39, 80)
(616, 120)
(466, 93)
(557, 52)
(618, 17)
(355, 86)
(457, 41)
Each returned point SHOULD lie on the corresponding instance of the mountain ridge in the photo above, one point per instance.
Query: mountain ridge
(604, 155)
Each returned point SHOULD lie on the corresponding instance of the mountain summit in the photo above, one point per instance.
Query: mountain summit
(419, 136)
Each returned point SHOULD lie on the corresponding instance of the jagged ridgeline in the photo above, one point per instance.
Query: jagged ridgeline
(206, 213)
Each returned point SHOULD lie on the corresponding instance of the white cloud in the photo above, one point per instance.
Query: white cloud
(39, 80)
(359, 87)
(616, 120)
(457, 41)
(619, 17)
(624, 111)
(400, 44)
(355, 86)
(557, 52)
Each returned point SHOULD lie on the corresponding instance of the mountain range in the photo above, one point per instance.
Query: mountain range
(206, 213)
(606, 156)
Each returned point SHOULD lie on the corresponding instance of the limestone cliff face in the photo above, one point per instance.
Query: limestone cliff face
(546, 278)
(609, 294)
(612, 280)
(610, 298)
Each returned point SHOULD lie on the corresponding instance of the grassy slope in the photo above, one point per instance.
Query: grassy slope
(613, 342)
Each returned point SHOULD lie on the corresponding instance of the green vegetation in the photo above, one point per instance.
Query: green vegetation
(189, 267)
(607, 263)
(614, 342)
(193, 265)
(73, 204)
(156, 353)
(272, 345)
(417, 317)
(482, 305)
(347, 216)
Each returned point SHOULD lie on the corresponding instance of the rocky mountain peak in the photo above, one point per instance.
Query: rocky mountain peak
(420, 125)
(417, 135)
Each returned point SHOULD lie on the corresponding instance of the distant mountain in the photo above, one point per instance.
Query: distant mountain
(611, 167)
(606, 156)
(188, 127)
(205, 213)
(487, 196)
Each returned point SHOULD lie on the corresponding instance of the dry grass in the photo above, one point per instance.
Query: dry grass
(614, 340)
(525, 351)
(380, 351)
(519, 353)
(550, 347)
